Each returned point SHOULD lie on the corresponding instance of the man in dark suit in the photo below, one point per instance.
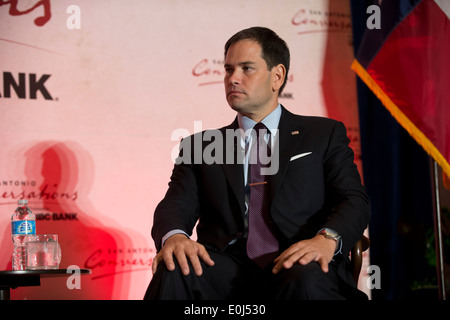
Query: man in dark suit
(317, 207)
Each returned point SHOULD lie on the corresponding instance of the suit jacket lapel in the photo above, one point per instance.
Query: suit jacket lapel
(289, 137)
(234, 171)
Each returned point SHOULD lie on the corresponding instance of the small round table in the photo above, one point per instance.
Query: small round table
(12, 279)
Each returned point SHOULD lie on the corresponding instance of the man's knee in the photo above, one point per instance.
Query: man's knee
(306, 282)
(168, 284)
(220, 281)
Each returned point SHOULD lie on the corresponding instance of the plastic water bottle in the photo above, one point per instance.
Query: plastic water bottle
(23, 223)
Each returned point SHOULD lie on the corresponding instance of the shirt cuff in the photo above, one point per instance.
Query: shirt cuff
(171, 233)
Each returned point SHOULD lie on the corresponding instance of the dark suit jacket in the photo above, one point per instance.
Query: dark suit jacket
(320, 189)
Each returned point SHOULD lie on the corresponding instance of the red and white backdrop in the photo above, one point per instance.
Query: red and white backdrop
(95, 95)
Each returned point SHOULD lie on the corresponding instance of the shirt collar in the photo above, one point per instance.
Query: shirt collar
(271, 121)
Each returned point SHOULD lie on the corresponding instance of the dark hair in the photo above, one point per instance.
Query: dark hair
(274, 49)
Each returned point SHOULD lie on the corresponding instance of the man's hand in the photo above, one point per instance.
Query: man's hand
(318, 249)
(183, 249)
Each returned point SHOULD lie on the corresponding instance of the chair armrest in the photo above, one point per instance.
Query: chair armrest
(356, 256)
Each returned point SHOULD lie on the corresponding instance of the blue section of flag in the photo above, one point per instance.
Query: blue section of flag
(392, 13)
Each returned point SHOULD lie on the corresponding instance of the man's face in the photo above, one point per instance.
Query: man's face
(248, 83)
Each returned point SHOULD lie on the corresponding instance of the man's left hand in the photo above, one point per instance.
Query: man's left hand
(318, 249)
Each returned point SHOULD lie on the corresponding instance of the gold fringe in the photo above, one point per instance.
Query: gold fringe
(404, 121)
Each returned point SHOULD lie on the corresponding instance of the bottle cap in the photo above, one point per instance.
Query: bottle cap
(22, 202)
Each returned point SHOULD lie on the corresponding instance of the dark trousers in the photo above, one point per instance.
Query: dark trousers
(235, 277)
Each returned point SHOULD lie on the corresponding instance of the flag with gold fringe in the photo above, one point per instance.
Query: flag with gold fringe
(405, 61)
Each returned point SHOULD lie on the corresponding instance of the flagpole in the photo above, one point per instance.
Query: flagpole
(438, 233)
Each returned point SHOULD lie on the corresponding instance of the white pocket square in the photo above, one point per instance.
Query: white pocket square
(300, 156)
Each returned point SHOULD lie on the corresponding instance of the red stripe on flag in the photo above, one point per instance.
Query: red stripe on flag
(413, 70)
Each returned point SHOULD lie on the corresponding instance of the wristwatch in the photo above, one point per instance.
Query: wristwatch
(331, 234)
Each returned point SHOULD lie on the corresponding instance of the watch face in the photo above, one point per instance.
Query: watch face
(330, 234)
(333, 234)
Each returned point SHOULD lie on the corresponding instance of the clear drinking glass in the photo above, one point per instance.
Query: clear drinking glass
(43, 252)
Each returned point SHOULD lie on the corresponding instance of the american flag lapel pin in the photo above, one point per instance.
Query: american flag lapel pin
(295, 132)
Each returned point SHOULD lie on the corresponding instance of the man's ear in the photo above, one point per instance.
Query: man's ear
(278, 75)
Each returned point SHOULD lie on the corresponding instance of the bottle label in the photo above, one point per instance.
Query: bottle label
(23, 227)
